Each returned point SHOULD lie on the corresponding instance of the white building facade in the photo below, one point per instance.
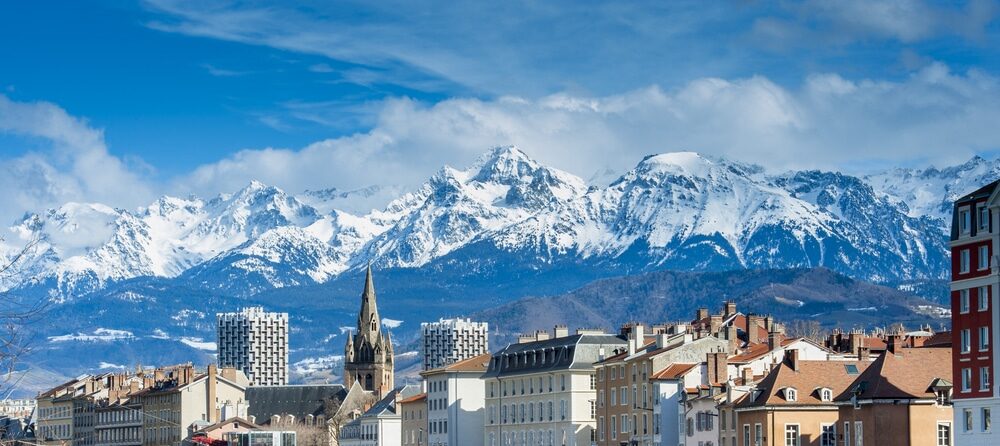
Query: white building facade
(452, 340)
(256, 343)
(543, 392)
(455, 401)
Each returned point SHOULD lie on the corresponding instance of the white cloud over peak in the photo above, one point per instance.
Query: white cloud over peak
(829, 122)
(68, 161)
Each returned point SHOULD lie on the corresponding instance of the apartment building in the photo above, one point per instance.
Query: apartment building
(903, 398)
(451, 340)
(455, 401)
(670, 387)
(118, 422)
(55, 421)
(627, 392)
(414, 413)
(544, 390)
(975, 316)
(256, 343)
(794, 405)
(180, 402)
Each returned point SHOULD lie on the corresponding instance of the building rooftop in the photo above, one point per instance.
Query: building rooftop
(674, 371)
(807, 378)
(474, 364)
(265, 401)
(906, 374)
(579, 351)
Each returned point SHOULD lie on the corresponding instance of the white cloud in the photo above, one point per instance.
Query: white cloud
(829, 122)
(68, 161)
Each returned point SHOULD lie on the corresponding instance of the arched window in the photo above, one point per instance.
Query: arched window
(791, 394)
(825, 395)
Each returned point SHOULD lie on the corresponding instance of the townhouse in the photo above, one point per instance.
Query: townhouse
(414, 413)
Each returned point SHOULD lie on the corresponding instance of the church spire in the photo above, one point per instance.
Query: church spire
(368, 320)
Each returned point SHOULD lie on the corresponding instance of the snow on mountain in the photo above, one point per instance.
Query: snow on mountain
(502, 188)
(678, 210)
(930, 192)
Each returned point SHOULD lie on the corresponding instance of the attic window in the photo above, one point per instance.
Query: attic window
(851, 369)
(791, 394)
(825, 395)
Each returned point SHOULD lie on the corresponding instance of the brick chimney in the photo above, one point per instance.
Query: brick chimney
(702, 314)
(747, 374)
(855, 340)
(792, 358)
(754, 324)
(717, 363)
(733, 337)
(774, 339)
(714, 323)
(728, 308)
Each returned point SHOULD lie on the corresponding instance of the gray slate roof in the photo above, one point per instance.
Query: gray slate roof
(298, 401)
(579, 351)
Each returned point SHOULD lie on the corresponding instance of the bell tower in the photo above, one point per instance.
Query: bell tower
(368, 354)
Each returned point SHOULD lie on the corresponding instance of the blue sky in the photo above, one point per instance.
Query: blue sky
(120, 102)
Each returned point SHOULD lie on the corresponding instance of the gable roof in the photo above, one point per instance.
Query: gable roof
(413, 399)
(674, 371)
(907, 374)
(237, 420)
(809, 376)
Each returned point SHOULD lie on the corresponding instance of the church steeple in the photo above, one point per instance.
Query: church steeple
(368, 355)
(368, 320)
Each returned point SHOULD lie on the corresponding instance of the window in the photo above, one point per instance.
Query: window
(984, 378)
(967, 417)
(600, 428)
(791, 435)
(859, 434)
(964, 221)
(828, 435)
(987, 419)
(966, 380)
(984, 257)
(614, 396)
(966, 342)
(984, 338)
(614, 428)
(963, 263)
(984, 298)
(758, 435)
(790, 394)
(944, 434)
(690, 427)
(983, 219)
(622, 396)
(746, 434)
(963, 301)
(847, 433)
(825, 394)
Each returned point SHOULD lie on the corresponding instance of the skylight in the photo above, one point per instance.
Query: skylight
(851, 369)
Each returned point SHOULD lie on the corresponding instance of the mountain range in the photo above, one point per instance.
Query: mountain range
(466, 240)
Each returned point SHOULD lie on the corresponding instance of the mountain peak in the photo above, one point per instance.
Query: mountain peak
(680, 163)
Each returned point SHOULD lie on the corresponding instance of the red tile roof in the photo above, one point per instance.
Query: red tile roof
(674, 371)
(906, 374)
(807, 379)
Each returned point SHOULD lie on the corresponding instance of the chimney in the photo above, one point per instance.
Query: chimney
(769, 323)
(702, 314)
(541, 335)
(754, 324)
(774, 340)
(661, 340)
(855, 342)
(638, 337)
(747, 375)
(714, 323)
(525, 338)
(792, 357)
(733, 337)
(729, 308)
(894, 343)
(210, 394)
(717, 363)
(560, 331)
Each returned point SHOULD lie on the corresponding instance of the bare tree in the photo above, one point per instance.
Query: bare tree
(809, 329)
(17, 312)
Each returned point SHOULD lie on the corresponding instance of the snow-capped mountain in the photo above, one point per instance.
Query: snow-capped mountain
(672, 211)
(931, 191)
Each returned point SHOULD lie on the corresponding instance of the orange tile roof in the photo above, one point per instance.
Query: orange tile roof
(755, 351)
(942, 339)
(806, 380)
(908, 373)
(413, 399)
(673, 371)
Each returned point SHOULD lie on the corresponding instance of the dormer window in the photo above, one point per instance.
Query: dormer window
(791, 394)
(825, 394)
